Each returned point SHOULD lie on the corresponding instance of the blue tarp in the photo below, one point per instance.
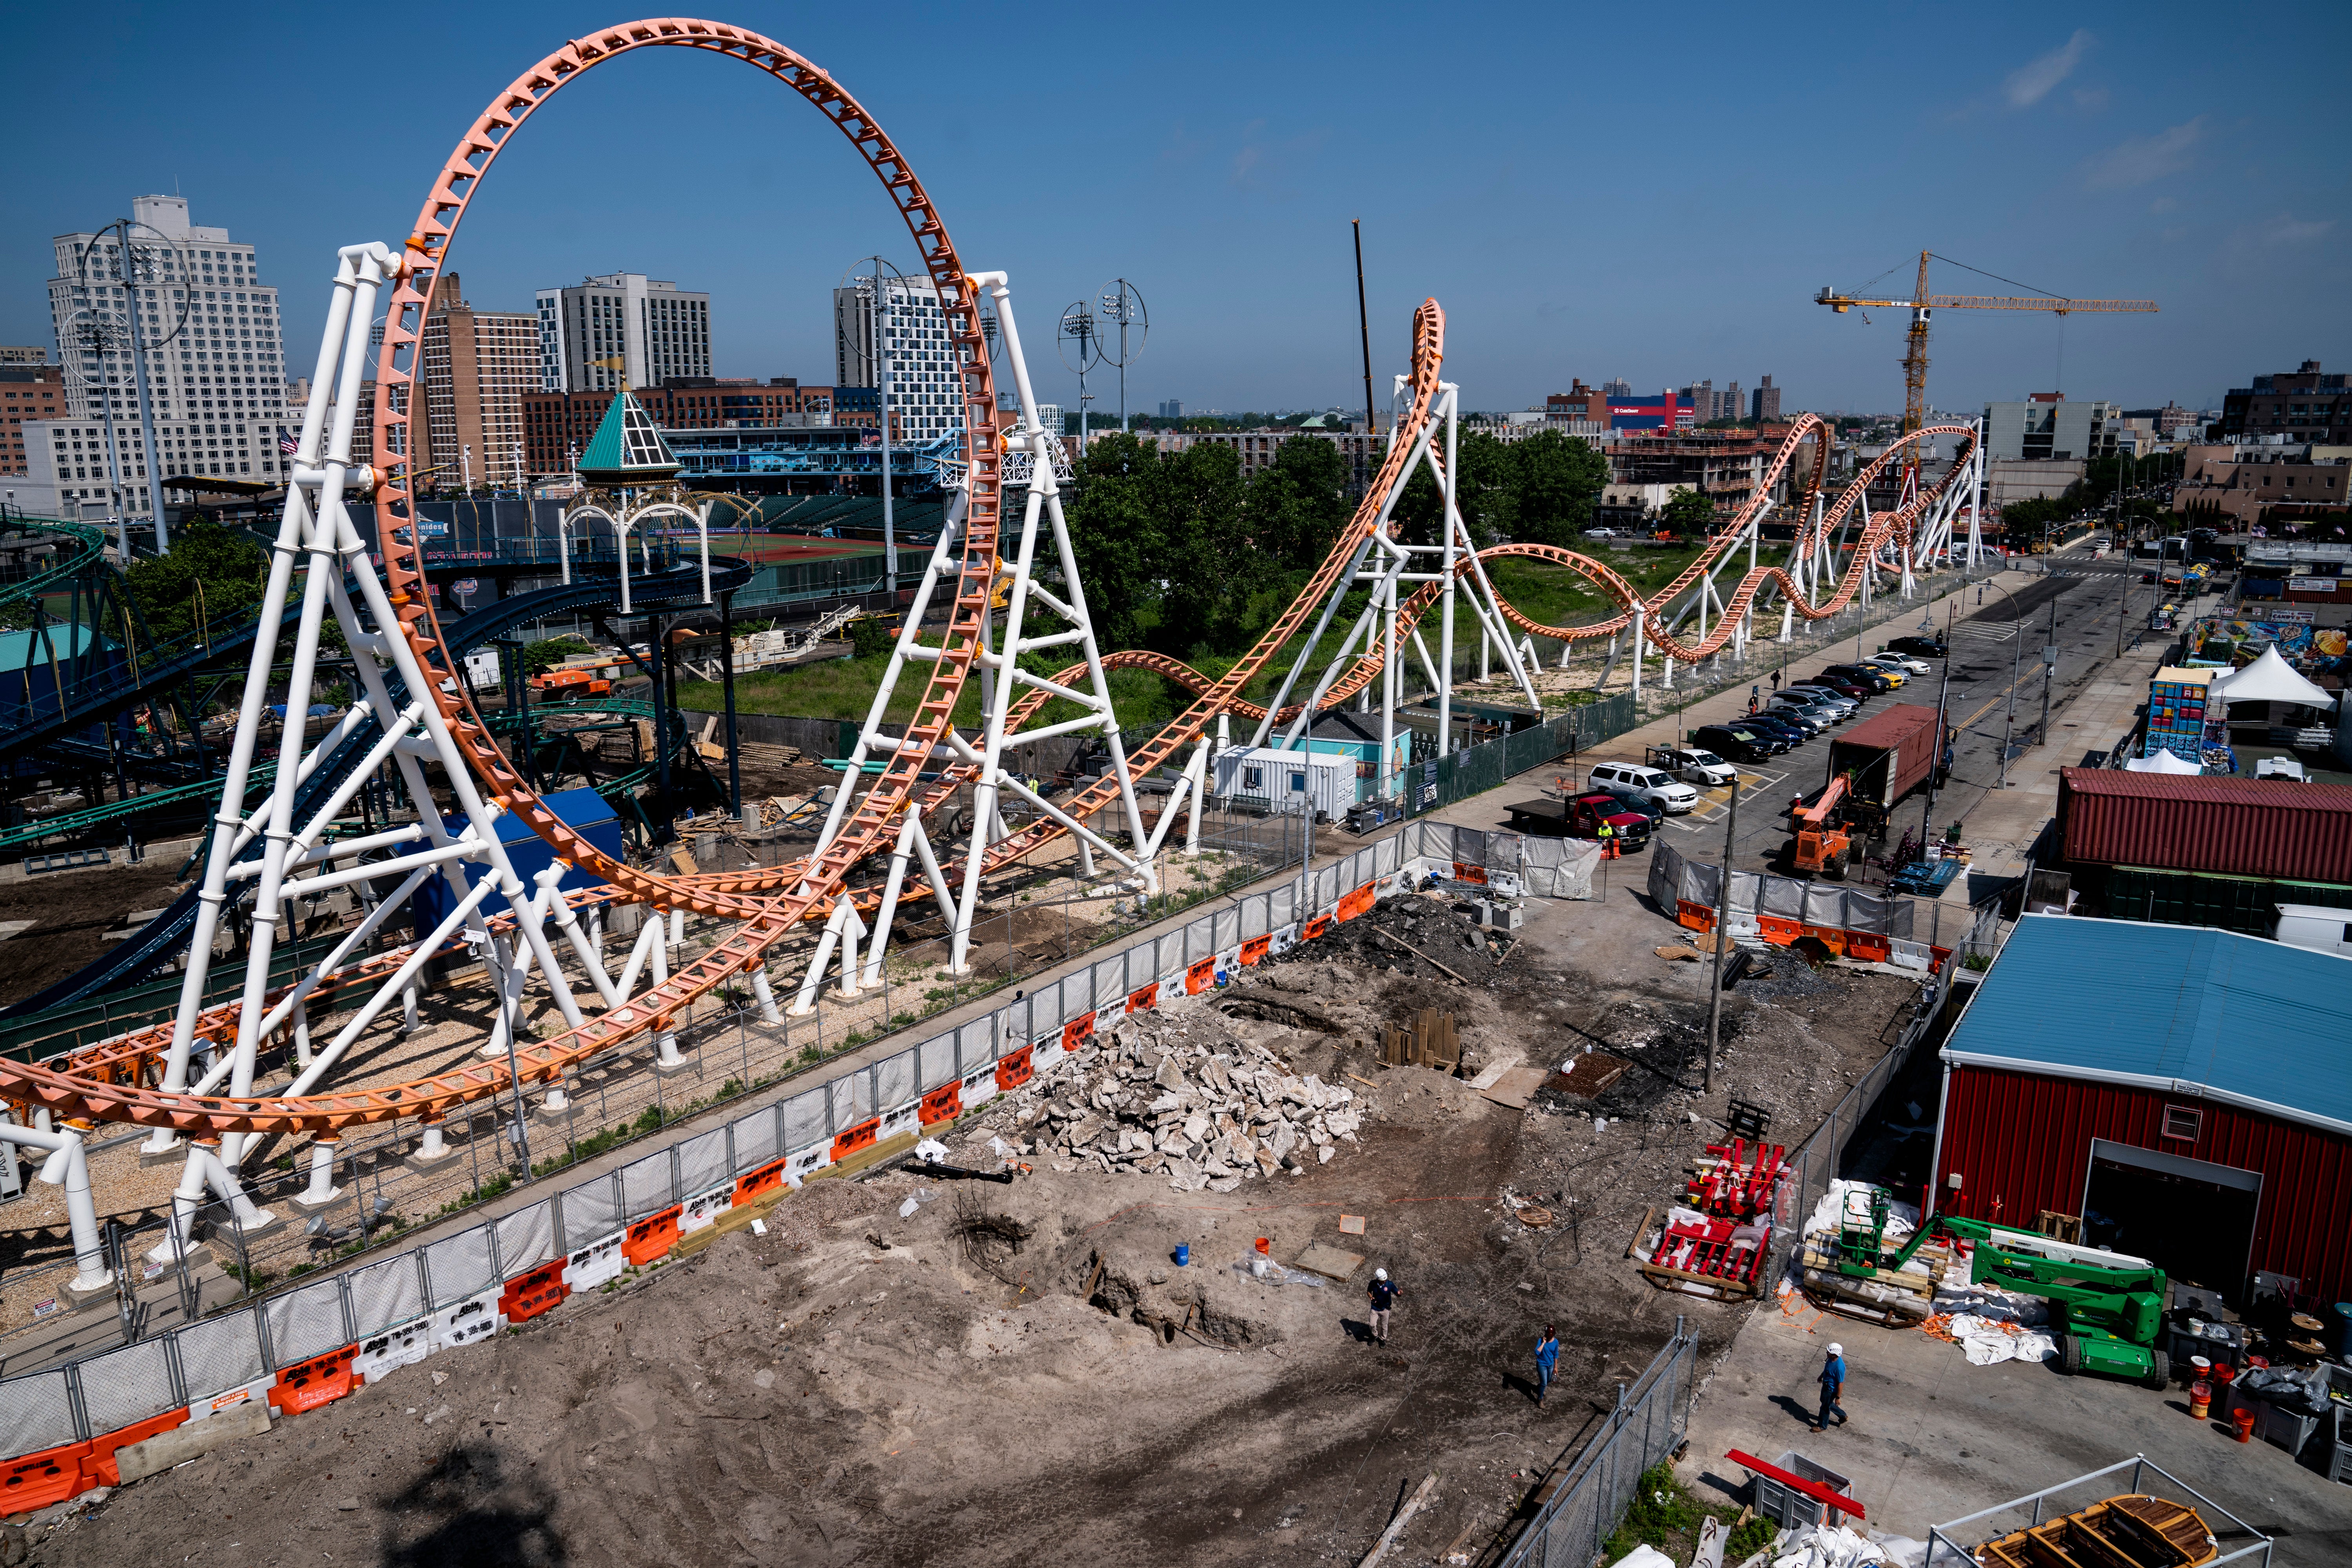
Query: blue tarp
(584, 809)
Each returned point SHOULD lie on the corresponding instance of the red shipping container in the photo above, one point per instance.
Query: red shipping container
(2226, 826)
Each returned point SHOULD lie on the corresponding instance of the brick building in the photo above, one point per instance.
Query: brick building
(478, 366)
(28, 390)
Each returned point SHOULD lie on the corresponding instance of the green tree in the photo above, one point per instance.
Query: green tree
(1207, 564)
(1555, 481)
(1115, 537)
(210, 577)
(1299, 502)
(540, 657)
(1687, 512)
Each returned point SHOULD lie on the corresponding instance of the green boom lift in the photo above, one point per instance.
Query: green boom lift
(2104, 1307)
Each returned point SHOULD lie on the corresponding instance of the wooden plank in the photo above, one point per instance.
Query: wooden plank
(1396, 1526)
(1515, 1087)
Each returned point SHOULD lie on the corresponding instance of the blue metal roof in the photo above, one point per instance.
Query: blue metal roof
(2181, 1008)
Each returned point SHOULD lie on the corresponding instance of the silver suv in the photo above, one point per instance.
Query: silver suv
(1631, 780)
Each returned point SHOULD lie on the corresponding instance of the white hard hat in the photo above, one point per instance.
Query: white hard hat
(1836, 1349)
(1380, 1273)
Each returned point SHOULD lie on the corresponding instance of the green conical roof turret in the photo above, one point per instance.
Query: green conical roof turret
(626, 449)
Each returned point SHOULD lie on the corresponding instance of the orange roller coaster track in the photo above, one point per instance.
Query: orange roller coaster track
(114, 1080)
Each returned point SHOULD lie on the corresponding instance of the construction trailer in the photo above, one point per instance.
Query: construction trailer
(1285, 783)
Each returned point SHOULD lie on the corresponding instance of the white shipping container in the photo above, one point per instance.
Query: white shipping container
(1287, 781)
(482, 669)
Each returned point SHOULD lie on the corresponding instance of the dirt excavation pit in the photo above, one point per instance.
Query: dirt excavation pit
(906, 1369)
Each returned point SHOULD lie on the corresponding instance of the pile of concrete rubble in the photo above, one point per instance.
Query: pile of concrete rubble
(1204, 1116)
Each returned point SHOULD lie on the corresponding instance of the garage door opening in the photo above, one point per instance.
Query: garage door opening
(2192, 1219)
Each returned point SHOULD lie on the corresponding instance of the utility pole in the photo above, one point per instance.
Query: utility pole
(2049, 669)
(1722, 939)
(1364, 331)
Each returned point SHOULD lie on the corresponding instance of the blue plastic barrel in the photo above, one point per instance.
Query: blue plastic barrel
(1184, 1259)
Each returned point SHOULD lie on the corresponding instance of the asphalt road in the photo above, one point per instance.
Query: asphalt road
(2085, 597)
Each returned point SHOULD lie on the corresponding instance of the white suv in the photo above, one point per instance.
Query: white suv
(1631, 780)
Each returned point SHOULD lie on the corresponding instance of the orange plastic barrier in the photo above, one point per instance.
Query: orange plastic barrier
(305, 1385)
(541, 1290)
(99, 1463)
(1357, 902)
(1200, 976)
(1867, 947)
(651, 1236)
(37, 1480)
(1315, 928)
(861, 1136)
(1254, 950)
(1935, 957)
(1075, 1033)
(1697, 917)
(1013, 1070)
(1830, 937)
(766, 1178)
(1465, 872)
(944, 1104)
(1149, 996)
(1779, 931)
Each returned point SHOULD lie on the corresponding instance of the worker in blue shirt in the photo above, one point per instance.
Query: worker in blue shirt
(1547, 1357)
(1833, 1383)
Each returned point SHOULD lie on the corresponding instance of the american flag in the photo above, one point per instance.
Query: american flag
(286, 444)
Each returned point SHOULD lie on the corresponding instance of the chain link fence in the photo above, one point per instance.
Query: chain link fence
(1646, 1426)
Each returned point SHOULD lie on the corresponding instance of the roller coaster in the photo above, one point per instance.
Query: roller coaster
(1007, 585)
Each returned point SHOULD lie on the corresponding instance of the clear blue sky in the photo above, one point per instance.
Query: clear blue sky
(1650, 192)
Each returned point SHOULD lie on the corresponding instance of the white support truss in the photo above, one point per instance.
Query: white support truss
(1038, 571)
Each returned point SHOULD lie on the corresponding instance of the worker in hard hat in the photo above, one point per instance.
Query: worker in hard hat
(1832, 1384)
(1382, 1294)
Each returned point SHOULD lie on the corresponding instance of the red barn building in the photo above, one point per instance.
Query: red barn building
(2185, 1091)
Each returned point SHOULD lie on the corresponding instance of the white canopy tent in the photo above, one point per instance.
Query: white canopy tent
(2162, 763)
(2271, 679)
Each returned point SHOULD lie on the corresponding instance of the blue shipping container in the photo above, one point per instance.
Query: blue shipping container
(583, 809)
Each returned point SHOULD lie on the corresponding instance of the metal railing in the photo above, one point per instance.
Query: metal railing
(1945, 1551)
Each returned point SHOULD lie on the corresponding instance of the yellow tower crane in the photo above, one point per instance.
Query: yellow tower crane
(1922, 305)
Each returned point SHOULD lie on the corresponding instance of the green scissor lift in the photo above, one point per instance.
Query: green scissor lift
(2106, 1307)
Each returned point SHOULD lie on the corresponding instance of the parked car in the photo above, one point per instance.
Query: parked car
(1870, 678)
(1693, 767)
(1808, 705)
(1902, 661)
(1819, 692)
(1600, 533)
(1786, 721)
(1842, 690)
(1922, 647)
(1737, 741)
(1634, 782)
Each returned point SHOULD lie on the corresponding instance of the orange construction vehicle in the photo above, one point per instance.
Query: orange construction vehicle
(1822, 844)
(566, 683)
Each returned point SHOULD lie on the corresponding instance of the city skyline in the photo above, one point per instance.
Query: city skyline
(2094, 162)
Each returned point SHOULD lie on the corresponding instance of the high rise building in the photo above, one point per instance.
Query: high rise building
(477, 366)
(1765, 402)
(2045, 427)
(926, 389)
(1617, 386)
(1172, 409)
(215, 364)
(12, 353)
(654, 329)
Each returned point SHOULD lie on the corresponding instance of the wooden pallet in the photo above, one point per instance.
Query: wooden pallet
(2121, 1532)
(1887, 1296)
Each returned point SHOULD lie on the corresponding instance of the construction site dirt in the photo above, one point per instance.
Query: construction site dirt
(905, 1369)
